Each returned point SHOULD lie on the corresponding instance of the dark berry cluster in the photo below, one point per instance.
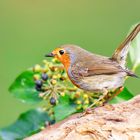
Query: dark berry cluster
(39, 82)
(40, 86)
(42, 81)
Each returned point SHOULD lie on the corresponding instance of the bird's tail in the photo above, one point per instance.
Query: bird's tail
(130, 73)
(121, 52)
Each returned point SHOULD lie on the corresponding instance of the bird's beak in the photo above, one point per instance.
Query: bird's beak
(49, 55)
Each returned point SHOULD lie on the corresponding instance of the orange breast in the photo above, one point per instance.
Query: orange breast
(65, 59)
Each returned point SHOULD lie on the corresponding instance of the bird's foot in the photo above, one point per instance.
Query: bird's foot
(98, 103)
(108, 106)
(87, 111)
(118, 91)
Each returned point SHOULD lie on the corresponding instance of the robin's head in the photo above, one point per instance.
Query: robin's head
(66, 54)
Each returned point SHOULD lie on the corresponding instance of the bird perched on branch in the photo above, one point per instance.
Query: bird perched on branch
(96, 73)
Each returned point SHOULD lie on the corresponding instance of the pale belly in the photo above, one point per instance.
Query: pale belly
(99, 83)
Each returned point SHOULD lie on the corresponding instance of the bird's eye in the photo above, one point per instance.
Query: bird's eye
(61, 52)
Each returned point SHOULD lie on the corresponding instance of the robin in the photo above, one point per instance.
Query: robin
(96, 73)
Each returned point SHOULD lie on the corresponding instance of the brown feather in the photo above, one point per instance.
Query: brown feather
(120, 53)
(94, 66)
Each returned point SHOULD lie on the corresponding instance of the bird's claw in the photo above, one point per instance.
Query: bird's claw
(87, 111)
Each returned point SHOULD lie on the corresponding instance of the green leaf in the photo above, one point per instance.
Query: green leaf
(135, 51)
(28, 123)
(64, 108)
(123, 96)
(23, 88)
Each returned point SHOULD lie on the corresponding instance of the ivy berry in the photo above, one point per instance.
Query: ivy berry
(44, 76)
(52, 101)
(39, 84)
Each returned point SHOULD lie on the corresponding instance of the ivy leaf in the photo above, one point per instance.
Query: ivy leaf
(23, 88)
(27, 124)
(134, 51)
(123, 96)
(64, 108)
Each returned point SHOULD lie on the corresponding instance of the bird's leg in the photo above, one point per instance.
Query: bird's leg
(118, 91)
(105, 92)
(89, 110)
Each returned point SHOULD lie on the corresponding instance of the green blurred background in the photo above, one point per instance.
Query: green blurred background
(31, 28)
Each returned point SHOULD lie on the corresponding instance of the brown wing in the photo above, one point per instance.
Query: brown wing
(99, 66)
